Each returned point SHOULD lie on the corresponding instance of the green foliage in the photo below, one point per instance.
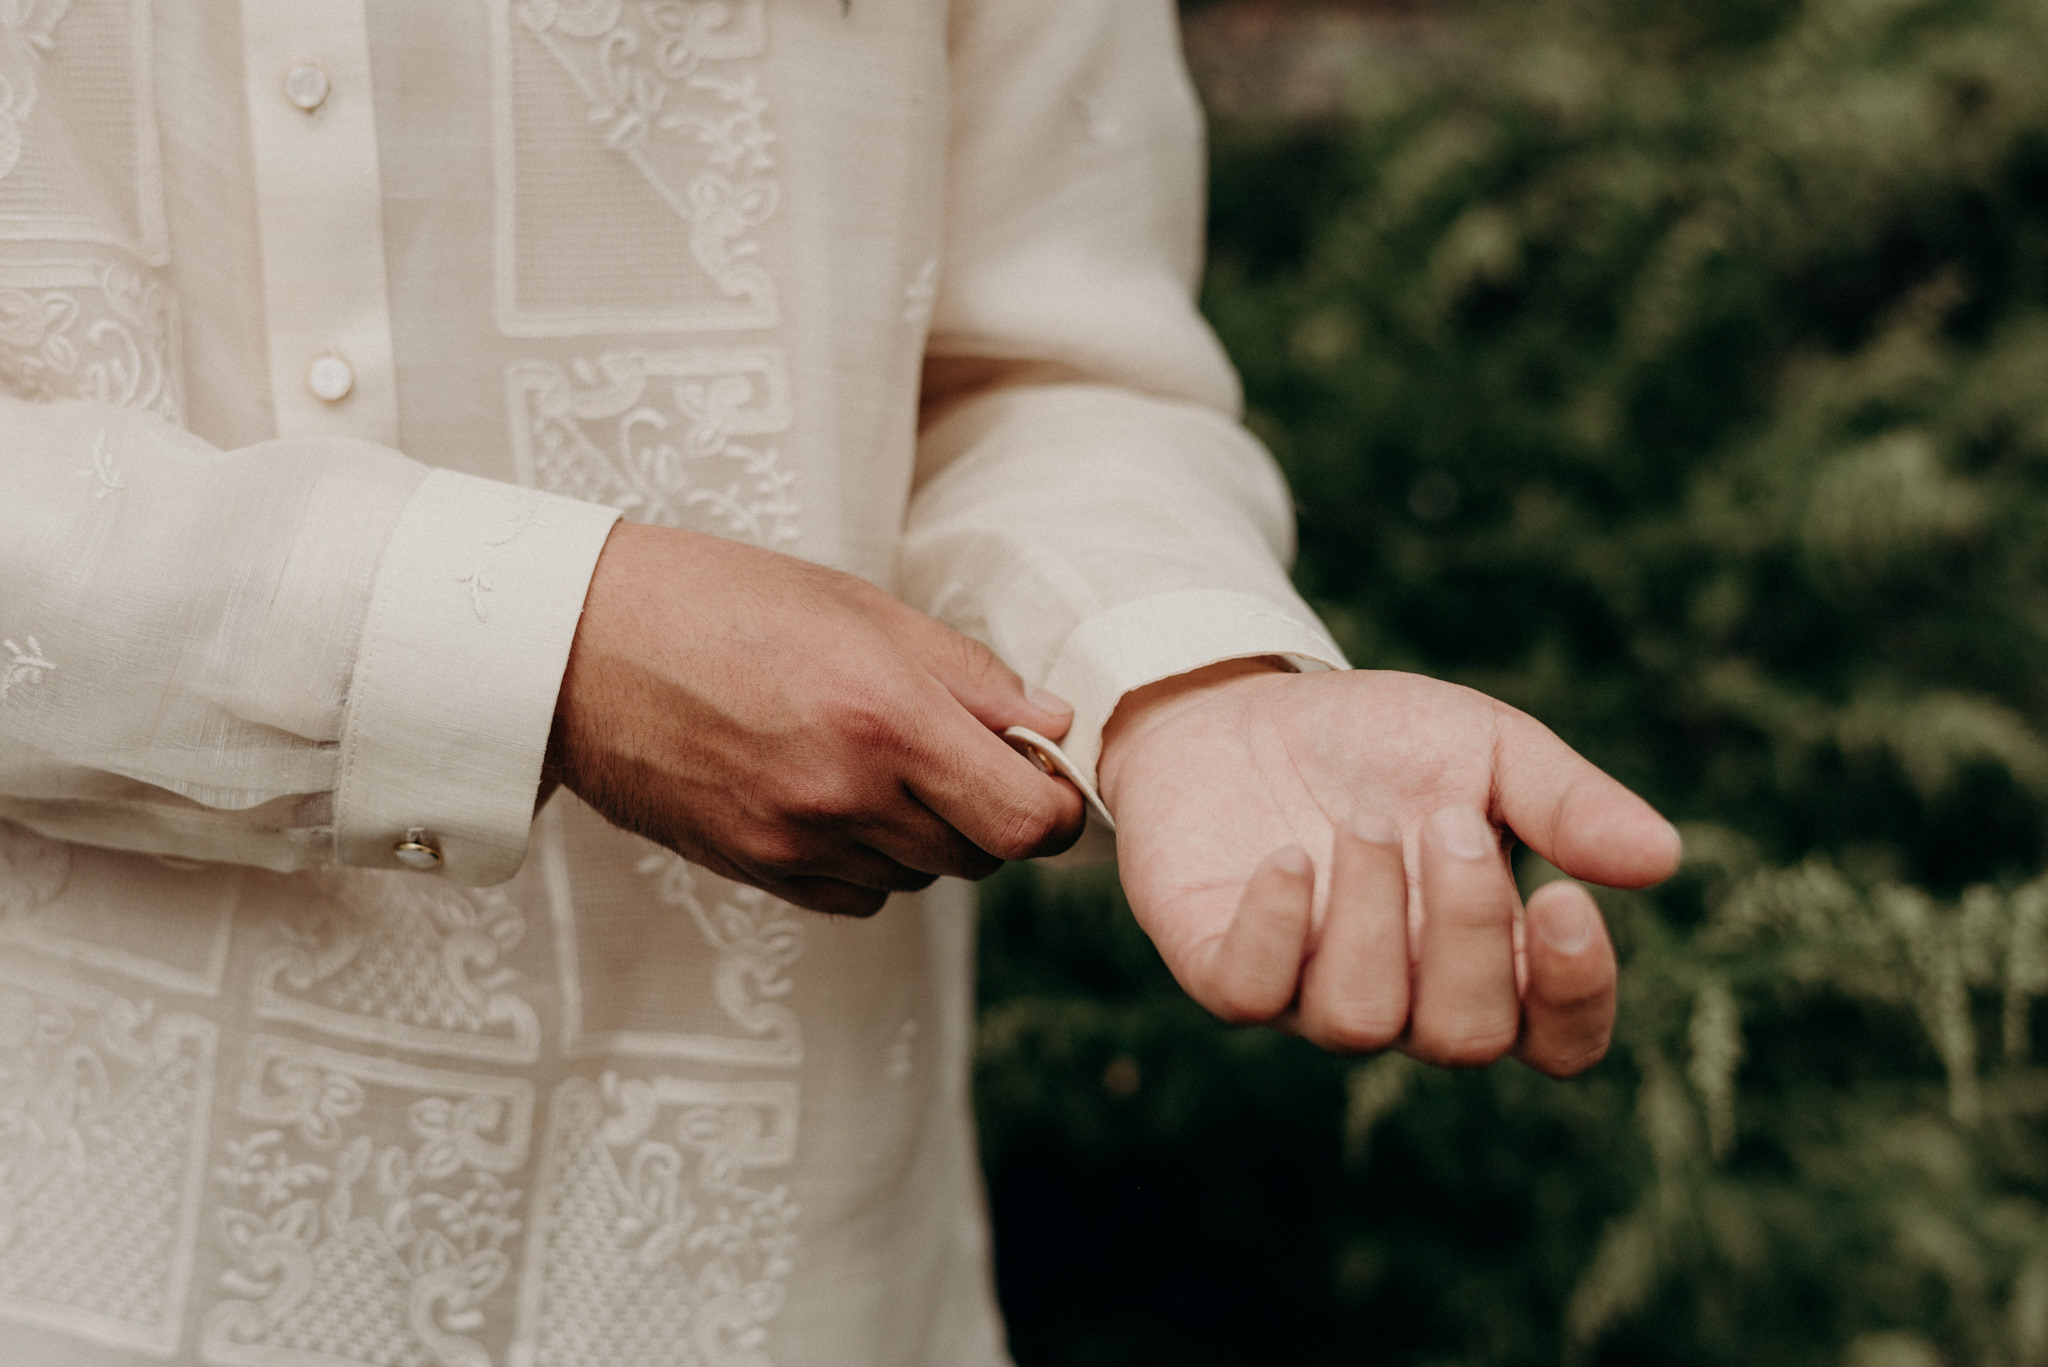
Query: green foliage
(1679, 373)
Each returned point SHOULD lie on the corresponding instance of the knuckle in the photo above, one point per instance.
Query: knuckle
(868, 718)
(1476, 915)
(818, 805)
(977, 663)
(780, 847)
(1022, 835)
(1038, 828)
(1364, 1030)
(1580, 1000)
(1467, 1048)
(824, 799)
(1240, 1004)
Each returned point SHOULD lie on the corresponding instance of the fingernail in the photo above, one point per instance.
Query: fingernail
(1049, 702)
(1463, 833)
(1375, 829)
(1566, 924)
(1293, 860)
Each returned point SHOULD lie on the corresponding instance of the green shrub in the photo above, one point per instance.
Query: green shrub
(1679, 373)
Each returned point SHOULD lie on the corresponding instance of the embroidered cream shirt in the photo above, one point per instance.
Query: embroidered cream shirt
(336, 335)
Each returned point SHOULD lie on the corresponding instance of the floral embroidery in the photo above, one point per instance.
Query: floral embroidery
(33, 871)
(90, 330)
(25, 669)
(657, 435)
(105, 478)
(478, 577)
(364, 1248)
(650, 1243)
(103, 1104)
(404, 962)
(667, 89)
(756, 939)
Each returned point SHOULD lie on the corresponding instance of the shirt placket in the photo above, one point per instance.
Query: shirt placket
(319, 196)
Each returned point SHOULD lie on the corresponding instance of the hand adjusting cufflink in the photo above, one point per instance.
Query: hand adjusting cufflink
(1053, 760)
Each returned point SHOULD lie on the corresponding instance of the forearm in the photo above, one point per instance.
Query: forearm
(206, 643)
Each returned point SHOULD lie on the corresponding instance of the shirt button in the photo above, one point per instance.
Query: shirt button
(330, 378)
(306, 86)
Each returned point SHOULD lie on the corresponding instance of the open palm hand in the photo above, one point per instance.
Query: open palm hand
(1326, 852)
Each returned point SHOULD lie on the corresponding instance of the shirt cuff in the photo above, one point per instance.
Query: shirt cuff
(1149, 639)
(471, 618)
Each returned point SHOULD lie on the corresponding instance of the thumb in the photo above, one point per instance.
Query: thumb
(982, 683)
(1573, 814)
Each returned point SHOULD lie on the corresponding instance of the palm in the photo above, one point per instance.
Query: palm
(1281, 759)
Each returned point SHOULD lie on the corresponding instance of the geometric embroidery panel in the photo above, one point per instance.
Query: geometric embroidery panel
(672, 438)
(367, 1217)
(723, 955)
(103, 1107)
(80, 73)
(654, 111)
(655, 1243)
(408, 962)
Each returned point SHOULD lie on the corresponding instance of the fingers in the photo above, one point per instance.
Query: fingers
(1568, 1009)
(1460, 1006)
(917, 839)
(996, 798)
(1354, 992)
(989, 690)
(828, 895)
(1465, 1012)
(1574, 815)
(1248, 974)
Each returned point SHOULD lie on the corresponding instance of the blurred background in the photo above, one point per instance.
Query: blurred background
(1676, 370)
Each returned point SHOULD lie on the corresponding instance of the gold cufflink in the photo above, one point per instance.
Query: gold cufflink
(1053, 760)
(418, 850)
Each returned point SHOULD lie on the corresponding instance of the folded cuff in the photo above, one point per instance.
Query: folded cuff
(471, 618)
(1149, 639)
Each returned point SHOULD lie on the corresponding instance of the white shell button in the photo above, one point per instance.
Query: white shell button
(306, 86)
(330, 378)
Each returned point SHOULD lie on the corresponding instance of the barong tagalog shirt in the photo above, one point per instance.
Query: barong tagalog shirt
(335, 335)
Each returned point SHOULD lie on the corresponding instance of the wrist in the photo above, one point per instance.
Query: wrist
(1144, 711)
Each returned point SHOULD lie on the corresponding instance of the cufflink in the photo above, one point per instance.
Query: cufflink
(418, 850)
(1052, 760)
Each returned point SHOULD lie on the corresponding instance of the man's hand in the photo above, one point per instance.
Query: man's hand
(796, 728)
(1324, 852)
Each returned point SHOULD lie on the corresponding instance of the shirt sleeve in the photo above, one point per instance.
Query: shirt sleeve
(1086, 501)
(286, 655)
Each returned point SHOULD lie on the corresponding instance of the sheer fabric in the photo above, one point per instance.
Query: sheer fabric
(337, 335)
